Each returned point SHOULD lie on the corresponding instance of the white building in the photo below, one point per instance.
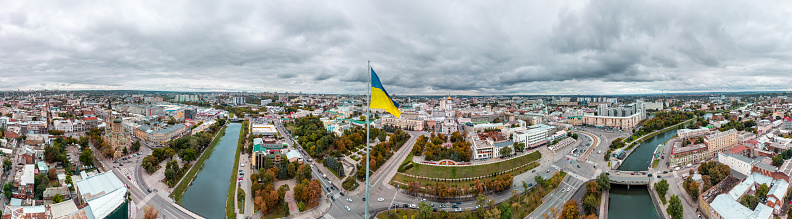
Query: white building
(692, 133)
(532, 138)
(737, 162)
(64, 125)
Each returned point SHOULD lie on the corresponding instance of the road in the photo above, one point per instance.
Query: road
(130, 172)
(141, 198)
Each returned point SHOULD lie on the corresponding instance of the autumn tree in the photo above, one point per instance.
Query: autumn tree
(150, 213)
(570, 210)
(314, 192)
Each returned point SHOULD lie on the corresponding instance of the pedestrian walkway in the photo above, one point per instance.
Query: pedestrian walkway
(572, 174)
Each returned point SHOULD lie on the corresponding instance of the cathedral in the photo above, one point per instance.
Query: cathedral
(115, 136)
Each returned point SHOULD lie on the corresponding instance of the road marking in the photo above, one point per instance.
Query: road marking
(145, 200)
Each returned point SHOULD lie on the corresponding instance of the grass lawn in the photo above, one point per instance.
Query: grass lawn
(404, 179)
(279, 212)
(457, 172)
(241, 203)
(178, 192)
(655, 163)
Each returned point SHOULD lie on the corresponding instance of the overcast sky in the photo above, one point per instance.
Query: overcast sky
(416, 47)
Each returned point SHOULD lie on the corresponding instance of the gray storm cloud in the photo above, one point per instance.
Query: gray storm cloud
(417, 47)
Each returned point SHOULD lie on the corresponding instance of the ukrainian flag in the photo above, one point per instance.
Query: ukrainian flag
(380, 98)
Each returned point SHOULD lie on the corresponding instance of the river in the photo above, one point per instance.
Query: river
(640, 158)
(207, 195)
(630, 203)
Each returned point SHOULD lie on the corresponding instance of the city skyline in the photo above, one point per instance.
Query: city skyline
(418, 48)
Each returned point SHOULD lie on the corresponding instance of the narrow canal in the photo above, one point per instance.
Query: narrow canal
(630, 203)
(207, 195)
(640, 158)
(635, 202)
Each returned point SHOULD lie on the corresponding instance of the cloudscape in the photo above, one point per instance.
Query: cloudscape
(417, 47)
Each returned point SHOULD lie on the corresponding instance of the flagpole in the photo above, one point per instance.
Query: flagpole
(368, 155)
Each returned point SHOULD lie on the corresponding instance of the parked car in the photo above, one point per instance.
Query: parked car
(347, 207)
(458, 210)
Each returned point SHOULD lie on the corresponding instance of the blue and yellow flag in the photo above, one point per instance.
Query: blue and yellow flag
(380, 98)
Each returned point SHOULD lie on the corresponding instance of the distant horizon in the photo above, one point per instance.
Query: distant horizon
(398, 95)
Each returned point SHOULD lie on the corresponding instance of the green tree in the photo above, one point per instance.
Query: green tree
(7, 164)
(424, 210)
(57, 198)
(761, 192)
(778, 160)
(539, 180)
(505, 151)
(675, 208)
(661, 187)
(505, 210)
(7, 189)
(749, 201)
(188, 155)
(603, 181)
(590, 204)
(87, 157)
(136, 146)
(481, 200)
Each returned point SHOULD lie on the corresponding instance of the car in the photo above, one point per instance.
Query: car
(423, 199)
(606, 173)
(548, 171)
(347, 207)
(658, 176)
(458, 210)
(567, 158)
(364, 199)
(578, 166)
(443, 206)
(240, 179)
(328, 189)
(664, 172)
(380, 199)
(127, 185)
(243, 165)
(454, 206)
(632, 173)
(618, 173)
(459, 203)
(413, 206)
(149, 190)
(434, 209)
(478, 206)
(349, 200)
(530, 184)
(121, 164)
(341, 193)
(431, 204)
(128, 177)
(405, 205)
(395, 205)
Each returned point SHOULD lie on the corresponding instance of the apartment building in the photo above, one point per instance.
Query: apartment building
(720, 141)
